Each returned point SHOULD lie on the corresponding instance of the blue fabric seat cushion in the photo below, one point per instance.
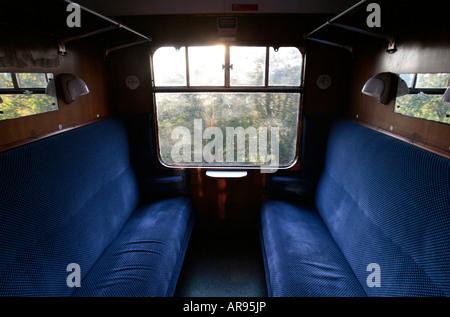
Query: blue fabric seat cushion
(63, 200)
(146, 257)
(387, 202)
(304, 260)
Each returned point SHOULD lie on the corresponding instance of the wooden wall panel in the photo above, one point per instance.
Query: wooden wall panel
(27, 52)
(325, 60)
(416, 53)
(227, 205)
(132, 61)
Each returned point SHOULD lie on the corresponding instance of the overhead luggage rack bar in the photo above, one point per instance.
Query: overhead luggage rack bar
(347, 47)
(62, 44)
(391, 40)
(116, 25)
(109, 50)
(335, 18)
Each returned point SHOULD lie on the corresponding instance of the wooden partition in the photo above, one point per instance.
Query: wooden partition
(227, 205)
(424, 52)
(22, 51)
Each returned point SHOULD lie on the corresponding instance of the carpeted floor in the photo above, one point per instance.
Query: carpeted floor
(222, 266)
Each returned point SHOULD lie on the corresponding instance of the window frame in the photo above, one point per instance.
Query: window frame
(413, 90)
(227, 88)
(18, 90)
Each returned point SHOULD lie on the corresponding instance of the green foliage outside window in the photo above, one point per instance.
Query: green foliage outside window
(247, 109)
(232, 110)
(25, 95)
(421, 104)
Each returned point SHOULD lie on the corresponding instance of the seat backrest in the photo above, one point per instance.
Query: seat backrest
(155, 181)
(387, 205)
(62, 200)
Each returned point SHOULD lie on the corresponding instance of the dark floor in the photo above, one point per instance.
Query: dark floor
(222, 266)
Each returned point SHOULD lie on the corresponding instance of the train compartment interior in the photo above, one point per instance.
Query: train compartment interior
(226, 148)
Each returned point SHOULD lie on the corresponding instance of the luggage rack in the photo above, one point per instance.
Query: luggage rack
(115, 25)
(391, 47)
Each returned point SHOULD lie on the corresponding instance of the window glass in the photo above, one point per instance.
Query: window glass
(32, 80)
(232, 109)
(285, 67)
(202, 120)
(6, 80)
(248, 65)
(169, 66)
(408, 78)
(205, 65)
(439, 80)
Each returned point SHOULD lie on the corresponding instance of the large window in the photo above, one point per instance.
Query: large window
(227, 106)
(425, 97)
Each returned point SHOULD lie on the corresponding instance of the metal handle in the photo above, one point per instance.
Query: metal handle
(227, 66)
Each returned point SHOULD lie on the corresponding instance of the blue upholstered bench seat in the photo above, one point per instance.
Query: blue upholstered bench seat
(74, 198)
(303, 258)
(146, 256)
(382, 206)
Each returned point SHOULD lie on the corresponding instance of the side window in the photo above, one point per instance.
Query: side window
(424, 99)
(248, 66)
(24, 94)
(227, 106)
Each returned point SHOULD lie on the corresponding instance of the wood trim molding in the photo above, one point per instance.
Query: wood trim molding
(420, 145)
(17, 144)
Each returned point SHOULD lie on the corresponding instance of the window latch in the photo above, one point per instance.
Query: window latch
(227, 66)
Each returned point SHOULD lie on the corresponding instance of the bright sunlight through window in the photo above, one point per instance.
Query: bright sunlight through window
(227, 106)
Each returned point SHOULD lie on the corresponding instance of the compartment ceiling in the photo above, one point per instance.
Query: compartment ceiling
(49, 16)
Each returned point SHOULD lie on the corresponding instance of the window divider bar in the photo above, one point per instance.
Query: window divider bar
(227, 69)
(15, 80)
(231, 89)
(266, 75)
(414, 81)
(21, 91)
(428, 91)
(188, 80)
